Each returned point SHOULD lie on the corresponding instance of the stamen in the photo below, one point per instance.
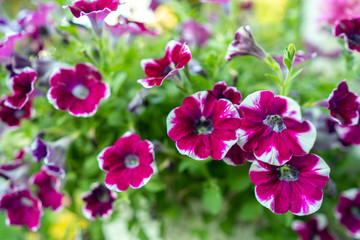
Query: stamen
(131, 161)
(203, 126)
(287, 173)
(275, 122)
(80, 91)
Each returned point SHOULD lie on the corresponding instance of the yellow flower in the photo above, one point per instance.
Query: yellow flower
(165, 18)
(270, 11)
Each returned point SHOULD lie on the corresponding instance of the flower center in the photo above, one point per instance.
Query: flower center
(168, 69)
(80, 91)
(26, 202)
(355, 38)
(103, 197)
(287, 173)
(203, 126)
(275, 122)
(355, 210)
(18, 114)
(131, 161)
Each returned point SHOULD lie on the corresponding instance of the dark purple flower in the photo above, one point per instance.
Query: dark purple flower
(7, 46)
(349, 29)
(17, 63)
(203, 126)
(17, 172)
(348, 211)
(344, 105)
(236, 156)
(295, 186)
(221, 90)
(244, 44)
(125, 26)
(22, 209)
(22, 85)
(12, 117)
(48, 189)
(315, 228)
(194, 33)
(99, 202)
(78, 90)
(157, 70)
(349, 134)
(129, 161)
(38, 149)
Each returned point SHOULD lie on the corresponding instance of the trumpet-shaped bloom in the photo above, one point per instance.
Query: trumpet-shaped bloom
(78, 90)
(129, 162)
(204, 126)
(99, 202)
(7, 46)
(157, 70)
(349, 29)
(349, 134)
(315, 227)
(344, 105)
(272, 128)
(125, 26)
(194, 33)
(295, 186)
(12, 117)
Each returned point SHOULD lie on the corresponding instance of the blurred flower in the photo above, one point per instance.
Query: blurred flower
(48, 189)
(295, 186)
(99, 202)
(7, 46)
(336, 10)
(269, 12)
(23, 86)
(125, 26)
(272, 127)
(137, 102)
(204, 126)
(349, 29)
(78, 90)
(315, 227)
(17, 63)
(236, 156)
(22, 209)
(12, 117)
(164, 18)
(347, 211)
(349, 134)
(128, 162)
(344, 105)
(157, 70)
(247, 5)
(38, 149)
(17, 172)
(194, 33)
(244, 44)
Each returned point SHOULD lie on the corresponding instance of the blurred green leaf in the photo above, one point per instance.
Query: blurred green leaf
(211, 197)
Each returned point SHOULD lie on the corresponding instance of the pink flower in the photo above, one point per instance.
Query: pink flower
(349, 134)
(295, 186)
(125, 26)
(78, 91)
(99, 202)
(336, 10)
(12, 117)
(204, 126)
(22, 85)
(157, 70)
(128, 162)
(344, 105)
(22, 209)
(194, 33)
(272, 128)
(7, 46)
(349, 29)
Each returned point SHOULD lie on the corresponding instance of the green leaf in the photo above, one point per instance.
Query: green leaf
(155, 185)
(239, 183)
(287, 63)
(273, 77)
(212, 198)
(250, 211)
(296, 73)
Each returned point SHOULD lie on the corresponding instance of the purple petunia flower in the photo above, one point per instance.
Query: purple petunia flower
(295, 186)
(99, 202)
(272, 127)
(157, 70)
(348, 211)
(333, 11)
(125, 26)
(349, 134)
(7, 46)
(22, 209)
(244, 44)
(12, 117)
(128, 162)
(204, 126)
(22, 85)
(349, 29)
(48, 189)
(194, 33)
(236, 156)
(78, 91)
(344, 105)
(17, 172)
(315, 227)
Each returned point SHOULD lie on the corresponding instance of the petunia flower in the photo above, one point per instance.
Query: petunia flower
(22, 85)
(99, 202)
(96, 11)
(129, 162)
(315, 227)
(7, 46)
(295, 186)
(12, 117)
(194, 33)
(204, 126)
(349, 134)
(343, 105)
(17, 63)
(244, 44)
(236, 156)
(48, 189)
(333, 11)
(157, 70)
(17, 172)
(347, 211)
(22, 209)
(272, 127)
(349, 29)
(78, 90)
(125, 26)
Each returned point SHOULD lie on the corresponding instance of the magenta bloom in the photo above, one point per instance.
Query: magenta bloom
(349, 29)
(349, 134)
(336, 10)
(295, 186)
(236, 156)
(221, 90)
(194, 33)
(22, 85)
(12, 117)
(22, 209)
(125, 26)
(99, 202)
(344, 105)
(48, 189)
(157, 70)
(272, 127)
(204, 126)
(78, 91)
(17, 172)
(348, 211)
(315, 228)
(129, 161)
(7, 46)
